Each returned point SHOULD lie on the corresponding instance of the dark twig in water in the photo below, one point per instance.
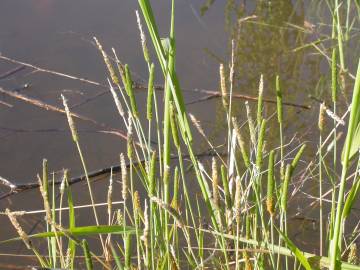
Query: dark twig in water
(89, 99)
(52, 130)
(11, 72)
(17, 188)
(215, 94)
(211, 94)
(50, 71)
(206, 98)
(48, 107)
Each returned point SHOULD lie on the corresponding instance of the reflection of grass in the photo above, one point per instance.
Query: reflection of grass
(238, 220)
(205, 7)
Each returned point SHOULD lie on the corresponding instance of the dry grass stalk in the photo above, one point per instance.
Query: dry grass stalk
(145, 236)
(196, 123)
(110, 68)
(142, 38)
(24, 237)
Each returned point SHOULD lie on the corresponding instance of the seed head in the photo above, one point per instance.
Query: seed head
(166, 174)
(143, 38)
(353, 257)
(241, 142)
(251, 123)
(137, 205)
(18, 228)
(45, 200)
(237, 199)
(124, 178)
(322, 112)
(197, 125)
(109, 194)
(224, 92)
(215, 183)
(62, 185)
(116, 99)
(130, 140)
(110, 68)
(72, 126)
(146, 230)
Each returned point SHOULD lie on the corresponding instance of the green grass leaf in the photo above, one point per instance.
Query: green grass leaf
(297, 252)
(81, 231)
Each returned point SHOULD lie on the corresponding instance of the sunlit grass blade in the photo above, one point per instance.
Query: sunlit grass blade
(87, 255)
(315, 261)
(297, 252)
(353, 123)
(82, 231)
(172, 77)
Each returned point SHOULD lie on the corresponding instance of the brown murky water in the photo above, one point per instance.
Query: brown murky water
(57, 35)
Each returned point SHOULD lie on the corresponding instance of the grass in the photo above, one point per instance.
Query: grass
(240, 218)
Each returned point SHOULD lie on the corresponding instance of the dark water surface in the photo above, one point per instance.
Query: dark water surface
(57, 35)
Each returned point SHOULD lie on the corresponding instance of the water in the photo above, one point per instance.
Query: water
(57, 35)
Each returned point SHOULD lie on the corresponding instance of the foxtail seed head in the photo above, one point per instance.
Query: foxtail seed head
(250, 123)
(197, 125)
(237, 199)
(24, 237)
(137, 204)
(45, 197)
(152, 183)
(285, 188)
(72, 126)
(149, 106)
(215, 183)
(353, 257)
(260, 100)
(146, 230)
(241, 142)
(224, 92)
(143, 38)
(248, 265)
(130, 91)
(124, 178)
(117, 100)
(62, 185)
(166, 174)
(260, 145)
(173, 125)
(130, 139)
(322, 112)
(270, 185)
(109, 194)
(110, 68)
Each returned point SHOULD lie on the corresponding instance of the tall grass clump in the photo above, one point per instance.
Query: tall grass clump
(181, 211)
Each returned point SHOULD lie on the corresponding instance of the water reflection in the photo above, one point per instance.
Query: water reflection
(267, 38)
(291, 39)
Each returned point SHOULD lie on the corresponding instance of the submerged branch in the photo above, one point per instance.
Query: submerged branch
(216, 94)
(48, 107)
(44, 70)
(210, 93)
(11, 71)
(18, 188)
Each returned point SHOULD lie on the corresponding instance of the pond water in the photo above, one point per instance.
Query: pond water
(271, 37)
